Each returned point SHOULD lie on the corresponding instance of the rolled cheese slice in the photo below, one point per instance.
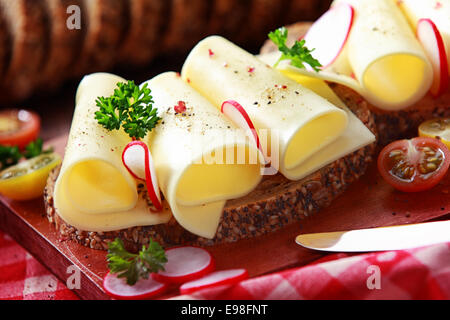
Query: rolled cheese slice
(200, 157)
(436, 10)
(388, 65)
(303, 121)
(94, 191)
(355, 136)
(385, 56)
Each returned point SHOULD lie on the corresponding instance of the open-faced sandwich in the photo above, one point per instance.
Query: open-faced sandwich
(236, 145)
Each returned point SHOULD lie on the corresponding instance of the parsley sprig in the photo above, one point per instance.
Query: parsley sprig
(299, 54)
(134, 266)
(10, 155)
(130, 107)
(35, 148)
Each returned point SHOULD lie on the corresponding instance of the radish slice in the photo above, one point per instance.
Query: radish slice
(136, 157)
(236, 113)
(143, 289)
(225, 277)
(431, 40)
(185, 264)
(328, 35)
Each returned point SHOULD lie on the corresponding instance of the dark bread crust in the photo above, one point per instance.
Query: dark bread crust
(186, 24)
(146, 20)
(274, 204)
(64, 44)
(5, 44)
(104, 27)
(26, 24)
(262, 17)
(228, 17)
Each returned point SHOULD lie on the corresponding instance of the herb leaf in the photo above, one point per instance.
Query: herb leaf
(34, 149)
(135, 266)
(130, 107)
(299, 54)
(9, 156)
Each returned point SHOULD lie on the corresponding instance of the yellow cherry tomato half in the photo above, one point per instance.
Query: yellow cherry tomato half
(436, 128)
(26, 180)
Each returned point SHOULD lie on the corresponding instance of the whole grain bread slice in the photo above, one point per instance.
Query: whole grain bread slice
(64, 44)
(391, 125)
(104, 26)
(27, 24)
(5, 44)
(228, 17)
(262, 17)
(186, 24)
(274, 204)
(143, 36)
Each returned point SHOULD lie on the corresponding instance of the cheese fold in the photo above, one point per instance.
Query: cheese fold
(196, 156)
(94, 191)
(438, 11)
(304, 121)
(355, 136)
(388, 66)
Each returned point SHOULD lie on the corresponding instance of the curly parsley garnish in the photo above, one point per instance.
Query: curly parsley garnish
(299, 54)
(130, 107)
(135, 266)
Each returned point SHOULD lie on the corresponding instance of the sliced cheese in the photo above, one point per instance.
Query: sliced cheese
(436, 10)
(191, 152)
(355, 137)
(388, 66)
(304, 122)
(94, 191)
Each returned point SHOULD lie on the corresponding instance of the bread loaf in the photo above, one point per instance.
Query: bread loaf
(38, 51)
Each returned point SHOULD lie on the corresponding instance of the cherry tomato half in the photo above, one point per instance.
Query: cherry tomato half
(18, 127)
(414, 165)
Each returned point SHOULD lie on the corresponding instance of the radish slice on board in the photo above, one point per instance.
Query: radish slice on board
(328, 35)
(225, 277)
(185, 264)
(136, 157)
(143, 289)
(237, 114)
(431, 40)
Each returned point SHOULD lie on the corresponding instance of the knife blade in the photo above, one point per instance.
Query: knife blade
(378, 239)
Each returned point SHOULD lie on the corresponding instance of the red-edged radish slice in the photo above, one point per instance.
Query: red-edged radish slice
(143, 289)
(431, 40)
(328, 35)
(136, 157)
(185, 264)
(218, 278)
(237, 114)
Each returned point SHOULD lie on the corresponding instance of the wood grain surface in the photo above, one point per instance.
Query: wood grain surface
(368, 203)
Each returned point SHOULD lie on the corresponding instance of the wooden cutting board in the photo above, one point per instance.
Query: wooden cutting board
(368, 203)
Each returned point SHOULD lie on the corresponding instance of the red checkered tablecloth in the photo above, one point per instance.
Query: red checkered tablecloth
(422, 273)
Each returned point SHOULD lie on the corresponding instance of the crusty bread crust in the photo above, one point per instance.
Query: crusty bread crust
(146, 20)
(274, 204)
(26, 23)
(63, 47)
(104, 27)
(186, 24)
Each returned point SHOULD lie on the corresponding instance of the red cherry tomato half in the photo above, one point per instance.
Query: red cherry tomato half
(414, 165)
(18, 127)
